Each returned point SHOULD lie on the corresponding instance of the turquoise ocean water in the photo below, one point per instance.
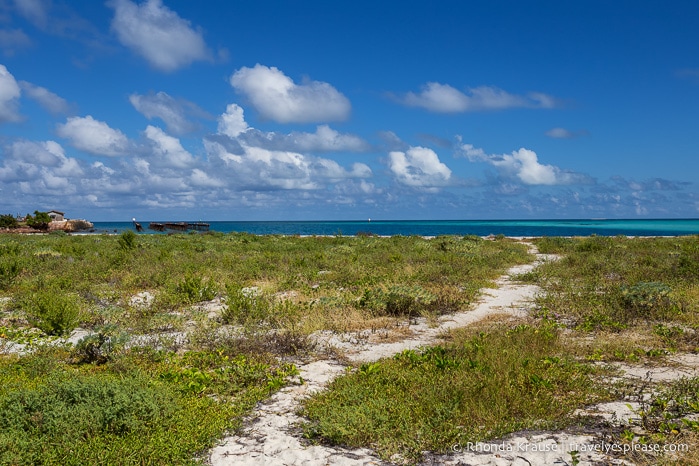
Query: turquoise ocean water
(654, 227)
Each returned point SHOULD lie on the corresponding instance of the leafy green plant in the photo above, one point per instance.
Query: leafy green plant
(127, 240)
(103, 419)
(671, 335)
(22, 336)
(662, 414)
(245, 306)
(688, 265)
(397, 300)
(52, 310)
(190, 379)
(194, 289)
(650, 298)
(8, 221)
(40, 220)
(10, 248)
(9, 270)
(102, 346)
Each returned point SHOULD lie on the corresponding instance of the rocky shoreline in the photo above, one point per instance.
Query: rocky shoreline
(69, 226)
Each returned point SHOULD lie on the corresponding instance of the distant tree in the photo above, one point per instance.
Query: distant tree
(40, 220)
(8, 221)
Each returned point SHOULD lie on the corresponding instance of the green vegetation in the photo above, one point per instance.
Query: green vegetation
(145, 407)
(51, 310)
(161, 376)
(8, 221)
(622, 284)
(40, 220)
(337, 283)
(478, 387)
(187, 332)
(605, 300)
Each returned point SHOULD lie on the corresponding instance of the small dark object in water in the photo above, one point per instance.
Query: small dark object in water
(179, 226)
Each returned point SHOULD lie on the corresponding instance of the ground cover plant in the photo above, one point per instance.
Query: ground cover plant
(185, 332)
(145, 407)
(476, 387)
(335, 281)
(631, 300)
(645, 287)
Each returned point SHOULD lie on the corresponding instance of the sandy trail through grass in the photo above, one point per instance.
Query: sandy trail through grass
(271, 435)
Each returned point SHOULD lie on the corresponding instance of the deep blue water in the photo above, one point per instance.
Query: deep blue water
(654, 227)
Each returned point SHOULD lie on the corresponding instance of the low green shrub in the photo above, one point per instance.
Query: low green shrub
(554, 244)
(396, 300)
(143, 406)
(102, 346)
(611, 283)
(688, 265)
(9, 270)
(246, 306)
(127, 240)
(8, 221)
(41, 424)
(54, 311)
(195, 289)
(662, 414)
(648, 299)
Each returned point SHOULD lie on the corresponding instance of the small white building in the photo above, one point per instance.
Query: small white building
(56, 216)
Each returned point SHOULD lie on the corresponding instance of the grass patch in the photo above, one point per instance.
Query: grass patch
(474, 388)
(143, 407)
(632, 300)
(612, 284)
(362, 277)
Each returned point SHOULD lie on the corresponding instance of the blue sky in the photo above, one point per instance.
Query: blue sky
(314, 110)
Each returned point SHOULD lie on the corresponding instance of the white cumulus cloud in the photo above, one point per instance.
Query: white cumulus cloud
(94, 136)
(443, 98)
(262, 169)
(419, 167)
(201, 179)
(275, 96)
(37, 168)
(232, 123)
(325, 139)
(158, 34)
(168, 148)
(524, 165)
(46, 154)
(9, 96)
(255, 159)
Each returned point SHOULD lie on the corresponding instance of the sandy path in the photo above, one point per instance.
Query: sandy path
(271, 435)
